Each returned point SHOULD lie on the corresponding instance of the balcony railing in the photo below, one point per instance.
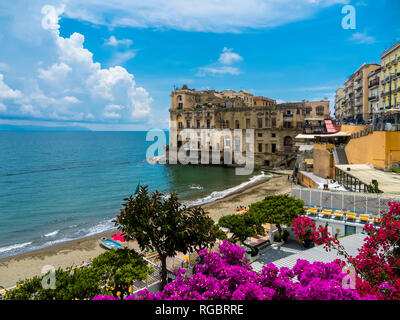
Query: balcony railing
(374, 83)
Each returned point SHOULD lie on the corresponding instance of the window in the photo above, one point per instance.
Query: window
(273, 135)
(247, 123)
(237, 144)
(260, 147)
(208, 123)
(179, 98)
(198, 124)
(259, 123)
(180, 105)
(287, 124)
(273, 147)
(320, 110)
(299, 125)
(308, 110)
(267, 122)
(266, 163)
(273, 120)
(180, 125)
(259, 135)
(227, 123)
(187, 123)
(237, 124)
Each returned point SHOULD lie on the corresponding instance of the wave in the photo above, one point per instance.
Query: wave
(15, 246)
(51, 234)
(74, 232)
(216, 195)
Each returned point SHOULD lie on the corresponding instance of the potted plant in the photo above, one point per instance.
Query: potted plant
(304, 229)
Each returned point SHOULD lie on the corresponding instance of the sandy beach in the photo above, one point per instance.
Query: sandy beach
(72, 253)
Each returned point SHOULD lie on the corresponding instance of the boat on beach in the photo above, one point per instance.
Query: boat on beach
(109, 243)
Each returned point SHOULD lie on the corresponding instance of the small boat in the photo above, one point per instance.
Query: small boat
(109, 244)
(193, 186)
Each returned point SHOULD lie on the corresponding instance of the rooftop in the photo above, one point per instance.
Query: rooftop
(388, 182)
(290, 253)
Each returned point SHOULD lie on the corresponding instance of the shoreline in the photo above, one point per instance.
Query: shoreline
(74, 252)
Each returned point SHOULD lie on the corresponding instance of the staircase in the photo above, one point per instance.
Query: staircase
(339, 155)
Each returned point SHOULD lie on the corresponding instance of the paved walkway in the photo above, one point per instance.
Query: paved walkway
(274, 253)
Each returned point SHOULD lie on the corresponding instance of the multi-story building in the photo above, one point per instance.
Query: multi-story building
(356, 106)
(263, 102)
(373, 91)
(340, 100)
(316, 113)
(389, 104)
(275, 125)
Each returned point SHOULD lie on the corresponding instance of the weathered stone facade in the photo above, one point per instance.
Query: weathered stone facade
(275, 125)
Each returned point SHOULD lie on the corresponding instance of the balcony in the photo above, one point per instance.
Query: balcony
(373, 97)
(373, 83)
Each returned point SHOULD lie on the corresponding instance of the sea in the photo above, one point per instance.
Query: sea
(62, 186)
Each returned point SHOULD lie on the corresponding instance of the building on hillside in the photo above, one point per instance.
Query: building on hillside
(275, 125)
(356, 107)
(340, 99)
(263, 102)
(374, 89)
(316, 113)
(389, 99)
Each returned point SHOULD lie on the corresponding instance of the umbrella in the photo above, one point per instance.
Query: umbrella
(118, 237)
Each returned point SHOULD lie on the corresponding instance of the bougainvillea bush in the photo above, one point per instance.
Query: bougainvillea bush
(376, 268)
(227, 276)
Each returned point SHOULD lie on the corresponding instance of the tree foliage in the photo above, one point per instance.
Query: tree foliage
(164, 225)
(111, 272)
(243, 226)
(278, 210)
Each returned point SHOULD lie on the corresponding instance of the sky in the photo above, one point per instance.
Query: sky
(112, 64)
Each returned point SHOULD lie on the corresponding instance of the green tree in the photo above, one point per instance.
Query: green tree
(119, 268)
(278, 210)
(242, 227)
(203, 232)
(160, 224)
(114, 268)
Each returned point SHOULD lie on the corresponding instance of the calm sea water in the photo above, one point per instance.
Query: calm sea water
(60, 186)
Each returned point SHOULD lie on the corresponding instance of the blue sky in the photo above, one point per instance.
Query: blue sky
(111, 65)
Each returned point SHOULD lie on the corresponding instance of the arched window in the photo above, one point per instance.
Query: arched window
(288, 141)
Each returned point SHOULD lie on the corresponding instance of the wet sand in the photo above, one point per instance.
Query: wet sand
(73, 253)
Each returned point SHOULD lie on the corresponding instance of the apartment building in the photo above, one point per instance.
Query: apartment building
(389, 99)
(340, 99)
(355, 108)
(316, 114)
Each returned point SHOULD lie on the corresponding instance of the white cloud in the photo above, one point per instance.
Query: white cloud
(229, 57)
(223, 66)
(3, 66)
(71, 99)
(62, 81)
(56, 72)
(203, 71)
(3, 108)
(362, 38)
(119, 58)
(196, 15)
(113, 41)
(6, 92)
